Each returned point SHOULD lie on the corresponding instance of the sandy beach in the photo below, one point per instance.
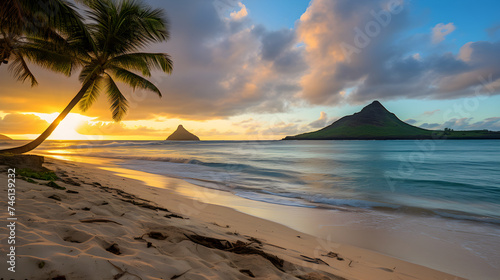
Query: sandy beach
(105, 226)
(233, 139)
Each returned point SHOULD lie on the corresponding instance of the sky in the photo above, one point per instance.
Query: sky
(256, 70)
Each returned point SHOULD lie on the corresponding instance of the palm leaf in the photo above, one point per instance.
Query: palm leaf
(90, 71)
(118, 102)
(126, 27)
(154, 23)
(141, 61)
(132, 62)
(47, 58)
(134, 80)
(91, 95)
(21, 70)
(36, 31)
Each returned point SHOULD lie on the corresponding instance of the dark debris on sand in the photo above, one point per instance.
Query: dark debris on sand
(55, 197)
(157, 235)
(247, 272)
(334, 256)
(114, 249)
(238, 247)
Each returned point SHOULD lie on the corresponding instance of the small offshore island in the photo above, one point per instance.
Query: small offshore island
(375, 122)
(181, 134)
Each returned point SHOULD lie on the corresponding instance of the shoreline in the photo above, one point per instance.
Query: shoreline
(360, 228)
(297, 201)
(299, 250)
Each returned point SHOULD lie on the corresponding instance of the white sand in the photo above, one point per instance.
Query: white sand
(52, 240)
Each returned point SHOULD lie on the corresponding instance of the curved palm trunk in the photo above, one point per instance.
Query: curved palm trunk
(35, 143)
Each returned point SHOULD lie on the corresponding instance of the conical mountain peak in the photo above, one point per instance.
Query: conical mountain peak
(181, 134)
(374, 121)
(375, 106)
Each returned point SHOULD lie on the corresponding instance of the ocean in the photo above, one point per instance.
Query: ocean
(452, 184)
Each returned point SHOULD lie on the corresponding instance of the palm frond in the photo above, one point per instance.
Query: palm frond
(21, 70)
(126, 27)
(11, 16)
(118, 102)
(134, 80)
(102, 15)
(131, 62)
(154, 23)
(91, 95)
(90, 71)
(47, 58)
(142, 61)
(46, 19)
(77, 34)
(38, 31)
(63, 16)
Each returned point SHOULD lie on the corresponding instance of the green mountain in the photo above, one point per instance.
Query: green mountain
(375, 122)
(181, 134)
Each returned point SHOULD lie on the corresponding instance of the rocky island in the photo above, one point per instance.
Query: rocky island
(181, 134)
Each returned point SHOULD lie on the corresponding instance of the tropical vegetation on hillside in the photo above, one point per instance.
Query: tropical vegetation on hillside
(375, 122)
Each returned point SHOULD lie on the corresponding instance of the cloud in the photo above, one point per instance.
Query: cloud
(275, 42)
(227, 65)
(117, 129)
(45, 98)
(410, 121)
(493, 30)
(467, 124)
(492, 123)
(488, 123)
(354, 54)
(430, 113)
(321, 122)
(440, 31)
(430, 125)
(215, 132)
(248, 123)
(479, 73)
(22, 124)
(241, 13)
(368, 56)
(222, 67)
(282, 128)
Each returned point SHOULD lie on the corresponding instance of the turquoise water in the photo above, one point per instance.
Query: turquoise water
(457, 179)
(432, 203)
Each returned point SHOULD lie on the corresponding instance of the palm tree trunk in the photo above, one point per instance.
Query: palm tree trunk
(35, 143)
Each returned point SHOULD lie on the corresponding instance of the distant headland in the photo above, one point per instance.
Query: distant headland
(375, 122)
(181, 134)
(4, 137)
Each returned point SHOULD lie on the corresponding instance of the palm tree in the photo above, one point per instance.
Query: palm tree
(108, 50)
(26, 27)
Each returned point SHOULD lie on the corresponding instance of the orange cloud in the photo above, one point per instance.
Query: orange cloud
(241, 13)
(118, 129)
(22, 124)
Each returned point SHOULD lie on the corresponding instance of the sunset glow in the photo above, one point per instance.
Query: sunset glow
(66, 130)
(238, 139)
(266, 71)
